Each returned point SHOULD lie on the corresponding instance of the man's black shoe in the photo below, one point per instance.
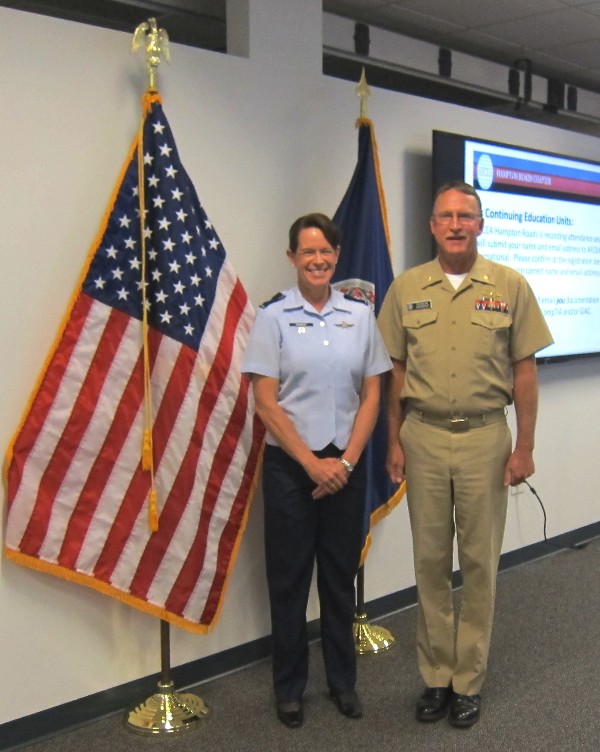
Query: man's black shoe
(290, 713)
(433, 704)
(464, 710)
(348, 703)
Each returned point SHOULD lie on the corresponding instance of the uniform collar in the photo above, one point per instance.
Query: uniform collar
(482, 271)
(294, 301)
(432, 273)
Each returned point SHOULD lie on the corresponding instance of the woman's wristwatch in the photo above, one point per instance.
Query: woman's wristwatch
(348, 465)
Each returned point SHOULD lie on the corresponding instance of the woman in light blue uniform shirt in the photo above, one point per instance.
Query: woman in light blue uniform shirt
(315, 358)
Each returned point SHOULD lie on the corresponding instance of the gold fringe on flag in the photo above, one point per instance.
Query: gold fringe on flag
(147, 444)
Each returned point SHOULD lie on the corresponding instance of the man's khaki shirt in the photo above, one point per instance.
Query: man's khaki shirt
(459, 345)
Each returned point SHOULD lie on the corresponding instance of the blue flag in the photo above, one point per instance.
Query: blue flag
(364, 271)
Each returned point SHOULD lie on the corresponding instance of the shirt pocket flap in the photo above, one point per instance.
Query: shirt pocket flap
(491, 319)
(419, 319)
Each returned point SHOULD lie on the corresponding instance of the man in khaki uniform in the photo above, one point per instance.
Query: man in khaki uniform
(462, 332)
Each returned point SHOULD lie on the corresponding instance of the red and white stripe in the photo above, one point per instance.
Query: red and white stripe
(78, 498)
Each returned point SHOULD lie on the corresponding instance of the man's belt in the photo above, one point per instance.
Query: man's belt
(458, 423)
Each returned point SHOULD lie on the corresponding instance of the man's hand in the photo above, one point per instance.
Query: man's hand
(518, 468)
(395, 463)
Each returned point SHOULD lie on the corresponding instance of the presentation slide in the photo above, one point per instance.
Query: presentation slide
(542, 217)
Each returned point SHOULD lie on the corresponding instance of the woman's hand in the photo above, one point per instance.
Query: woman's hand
(329, 474)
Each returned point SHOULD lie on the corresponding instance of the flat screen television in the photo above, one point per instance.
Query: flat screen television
(541, 216)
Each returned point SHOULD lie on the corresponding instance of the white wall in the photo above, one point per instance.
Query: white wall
(265, 139)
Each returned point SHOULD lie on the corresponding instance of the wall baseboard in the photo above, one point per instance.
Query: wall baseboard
(48, 723)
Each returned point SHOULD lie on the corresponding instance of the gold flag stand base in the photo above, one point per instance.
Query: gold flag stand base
(167, 712)
(371, 639)
(368, 638)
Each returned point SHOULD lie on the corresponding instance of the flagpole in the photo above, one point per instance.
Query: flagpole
(367, 638)
(167, 711)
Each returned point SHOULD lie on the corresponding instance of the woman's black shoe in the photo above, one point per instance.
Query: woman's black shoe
(348, 703)
(290, 713)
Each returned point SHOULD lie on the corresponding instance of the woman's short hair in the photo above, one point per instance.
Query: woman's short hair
(322, 222)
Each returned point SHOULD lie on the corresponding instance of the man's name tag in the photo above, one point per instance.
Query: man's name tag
(420, 305)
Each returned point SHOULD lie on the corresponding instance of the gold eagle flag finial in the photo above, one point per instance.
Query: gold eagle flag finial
(156, 43)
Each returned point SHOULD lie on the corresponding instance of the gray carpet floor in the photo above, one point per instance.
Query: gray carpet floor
(542, 692)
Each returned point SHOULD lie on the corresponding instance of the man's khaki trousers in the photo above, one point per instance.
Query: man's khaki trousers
(455, 487)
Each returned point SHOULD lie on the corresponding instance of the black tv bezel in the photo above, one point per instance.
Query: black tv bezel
(437, 165)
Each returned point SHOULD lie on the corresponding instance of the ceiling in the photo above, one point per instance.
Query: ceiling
(560, 37)
(199, 23)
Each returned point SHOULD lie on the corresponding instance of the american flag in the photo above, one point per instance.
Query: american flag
(77, 491)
